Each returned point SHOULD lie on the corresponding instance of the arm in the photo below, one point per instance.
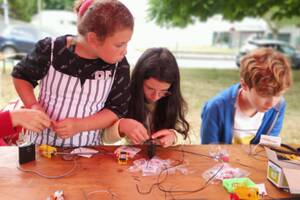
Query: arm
(25, 92)
(111, 134)
(71, 126)
(29, 119)
(30, 70)
(210, 129)
(6, 126)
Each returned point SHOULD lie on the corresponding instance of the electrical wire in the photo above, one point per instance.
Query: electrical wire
(65, 156)
(192, 153)
(159, 182)
(113, 195)
(69, 172)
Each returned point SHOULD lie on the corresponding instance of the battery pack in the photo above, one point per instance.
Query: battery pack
(26, 153)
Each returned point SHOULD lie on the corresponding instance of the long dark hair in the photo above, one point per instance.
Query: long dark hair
(160, 64)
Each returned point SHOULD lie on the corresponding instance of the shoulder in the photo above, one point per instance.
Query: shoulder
(226, 98)
(61, 41)
(43, 45)
(279, 106)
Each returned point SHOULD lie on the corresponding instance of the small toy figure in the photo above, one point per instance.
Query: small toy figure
(246, 193)
(123, 158)
(47, 151)
(58, 195)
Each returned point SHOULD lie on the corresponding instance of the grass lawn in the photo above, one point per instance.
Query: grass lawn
(198, 85)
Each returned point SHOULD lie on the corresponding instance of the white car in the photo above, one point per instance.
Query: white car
(283, 47)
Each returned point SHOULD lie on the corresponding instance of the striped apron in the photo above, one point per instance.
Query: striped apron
(62, 96)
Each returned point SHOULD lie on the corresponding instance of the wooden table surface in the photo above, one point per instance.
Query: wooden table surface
(94, 176)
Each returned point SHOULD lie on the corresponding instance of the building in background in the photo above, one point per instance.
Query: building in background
(59, 21)
(235, 34)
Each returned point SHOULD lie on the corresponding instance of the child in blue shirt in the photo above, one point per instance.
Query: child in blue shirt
(243, 112)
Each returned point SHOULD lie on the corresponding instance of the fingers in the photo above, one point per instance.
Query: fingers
(134, 130)
(44, 120)
(39, 122)
(165, 137)
(165, 142)
(34, 120)
(61, 129)
(65, 128)
(138, 135)
(159, 134)
(36, 127)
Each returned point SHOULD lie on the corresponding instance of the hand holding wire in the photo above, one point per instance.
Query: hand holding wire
(134, 130)
(165, 137)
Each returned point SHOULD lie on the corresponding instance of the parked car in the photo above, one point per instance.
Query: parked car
(18, 40)
(283, 47)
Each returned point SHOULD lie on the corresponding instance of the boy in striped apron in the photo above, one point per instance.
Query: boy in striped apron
(84, 79)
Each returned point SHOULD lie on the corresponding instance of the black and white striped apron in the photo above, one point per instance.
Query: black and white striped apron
(63, 96)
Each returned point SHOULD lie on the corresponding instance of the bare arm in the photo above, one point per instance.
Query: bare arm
(25, 92)
(70, 126)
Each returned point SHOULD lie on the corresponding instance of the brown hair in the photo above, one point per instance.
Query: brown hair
(266, 70)
(103, 17)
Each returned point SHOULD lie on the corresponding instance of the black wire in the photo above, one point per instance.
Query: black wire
(290, 150)
(248, 166)
(192, 153)
(178, 192)
(193, 191)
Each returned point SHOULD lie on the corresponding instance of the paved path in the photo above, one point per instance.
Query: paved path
(196, 60)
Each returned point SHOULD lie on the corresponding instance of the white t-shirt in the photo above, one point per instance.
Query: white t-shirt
(245, 127)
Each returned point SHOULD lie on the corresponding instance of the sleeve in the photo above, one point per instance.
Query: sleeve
(35, 65)
(119, 95)
(6, 127)
(210, 127)
(111, 134)
(279, 121)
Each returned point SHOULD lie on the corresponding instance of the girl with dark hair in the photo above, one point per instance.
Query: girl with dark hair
(84, 78)
(157, 108)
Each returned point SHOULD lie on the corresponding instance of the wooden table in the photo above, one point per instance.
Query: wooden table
(102, 172)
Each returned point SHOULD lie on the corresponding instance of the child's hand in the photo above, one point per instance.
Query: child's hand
(34, 120)
(66, 128)
(165, 137)
(134, 130)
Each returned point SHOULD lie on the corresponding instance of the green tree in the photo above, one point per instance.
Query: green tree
(24, 9)
(20, 9)
(180, 13)
(58, 4)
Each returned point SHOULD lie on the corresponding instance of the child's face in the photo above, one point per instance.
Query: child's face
(155, 89)
(113, 48)
(262, 103)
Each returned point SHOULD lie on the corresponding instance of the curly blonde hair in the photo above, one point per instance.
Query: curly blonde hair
(266, 70)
